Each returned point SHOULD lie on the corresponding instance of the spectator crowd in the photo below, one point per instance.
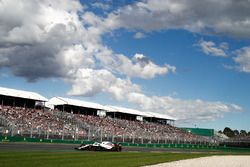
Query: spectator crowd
(58, 124)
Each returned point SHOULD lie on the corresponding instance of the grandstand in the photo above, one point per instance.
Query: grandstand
(89, 108)
(65, 118)
(13, 97)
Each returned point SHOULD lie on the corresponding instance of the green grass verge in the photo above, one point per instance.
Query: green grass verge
(89, 159)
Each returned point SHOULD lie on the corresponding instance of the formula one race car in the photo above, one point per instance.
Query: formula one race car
(103, 146)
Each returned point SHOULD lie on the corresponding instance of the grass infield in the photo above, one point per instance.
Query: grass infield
(90, 159)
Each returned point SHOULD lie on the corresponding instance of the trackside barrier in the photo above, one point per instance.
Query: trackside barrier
(148, 145)
(189, 146)
(37, 140)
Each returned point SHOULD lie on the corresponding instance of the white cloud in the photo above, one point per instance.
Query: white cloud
(227, 17)
(243, 59)
(56, 38)
(139, 66)
(139, 35)
(32, 21)
(100, 5)
(35, 36)
(74, 57)
(210, 48)
(184, 110)
(89, 82)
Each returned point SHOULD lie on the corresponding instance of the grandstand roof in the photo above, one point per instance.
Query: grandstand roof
(161, 116)
(22, 94)
(129, 111)
(74, 102)
(80, 103)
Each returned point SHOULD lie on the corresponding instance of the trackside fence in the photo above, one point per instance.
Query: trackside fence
(97, 134)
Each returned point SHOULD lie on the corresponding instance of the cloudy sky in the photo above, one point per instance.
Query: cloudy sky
(186, 58)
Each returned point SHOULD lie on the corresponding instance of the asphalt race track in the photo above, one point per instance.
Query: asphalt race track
(61, 147)
(57, 147)
(35, 147)
(70, 147)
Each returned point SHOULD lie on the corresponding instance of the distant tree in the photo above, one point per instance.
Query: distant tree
(248, 133)
(229, 132)
(236, 132)
(243, 133)
(220, 131)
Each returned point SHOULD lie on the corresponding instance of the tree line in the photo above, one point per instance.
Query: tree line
(234, 133)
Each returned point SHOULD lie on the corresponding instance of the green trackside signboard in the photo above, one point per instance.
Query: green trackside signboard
(200, 131)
